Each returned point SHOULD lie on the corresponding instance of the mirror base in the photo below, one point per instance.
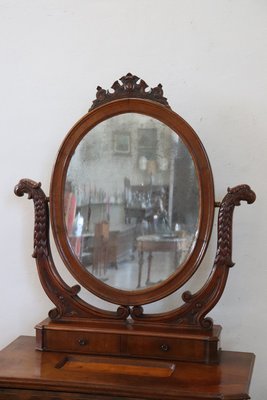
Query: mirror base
(130, 338)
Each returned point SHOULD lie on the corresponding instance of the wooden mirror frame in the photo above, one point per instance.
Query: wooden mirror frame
(183, 333)
(204, 174)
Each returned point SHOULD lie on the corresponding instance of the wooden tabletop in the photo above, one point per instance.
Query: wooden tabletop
(23, 367)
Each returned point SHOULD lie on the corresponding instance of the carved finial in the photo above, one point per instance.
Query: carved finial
(232, 199)
(129, 86)
(34, 191)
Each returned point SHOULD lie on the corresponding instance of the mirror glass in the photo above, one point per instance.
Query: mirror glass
(131, 202)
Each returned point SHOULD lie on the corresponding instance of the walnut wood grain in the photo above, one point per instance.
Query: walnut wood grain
(130, 338)
(37, 376)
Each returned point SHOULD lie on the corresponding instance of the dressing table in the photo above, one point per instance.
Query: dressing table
(129, 152)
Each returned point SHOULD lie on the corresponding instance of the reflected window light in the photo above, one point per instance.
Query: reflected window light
(142, 163)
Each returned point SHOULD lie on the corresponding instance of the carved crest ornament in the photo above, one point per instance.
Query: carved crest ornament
(129, 86)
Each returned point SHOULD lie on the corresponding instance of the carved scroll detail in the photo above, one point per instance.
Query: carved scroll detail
(65, 298)
(192, 313)
(129, 86)
(232, 199)
(137, 312)
(123, 312)
(40, 205)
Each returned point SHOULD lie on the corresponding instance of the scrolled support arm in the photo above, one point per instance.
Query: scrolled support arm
(68, 304)
(196, 306)
(34, 191)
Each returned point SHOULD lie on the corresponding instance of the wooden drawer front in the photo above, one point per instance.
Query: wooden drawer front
(82, 342)
(169, 348)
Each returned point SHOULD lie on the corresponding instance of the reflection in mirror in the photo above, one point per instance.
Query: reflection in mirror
(131, 202)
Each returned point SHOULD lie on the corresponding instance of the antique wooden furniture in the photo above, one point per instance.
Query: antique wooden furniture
(81, 351)
(157, 243)
(64, 376)
(120, 245)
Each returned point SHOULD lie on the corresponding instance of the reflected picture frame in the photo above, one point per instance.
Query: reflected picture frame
(122, 143)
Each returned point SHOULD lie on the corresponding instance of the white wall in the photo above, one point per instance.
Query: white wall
(211, 57)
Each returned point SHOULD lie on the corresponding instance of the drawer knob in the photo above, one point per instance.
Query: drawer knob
(164, 347)
(82, 342)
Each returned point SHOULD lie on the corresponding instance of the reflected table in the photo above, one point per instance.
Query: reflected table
(157, 243)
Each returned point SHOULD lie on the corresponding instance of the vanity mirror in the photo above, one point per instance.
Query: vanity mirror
(131, 207)
(123, 181)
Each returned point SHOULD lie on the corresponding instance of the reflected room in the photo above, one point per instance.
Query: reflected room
(131, 203)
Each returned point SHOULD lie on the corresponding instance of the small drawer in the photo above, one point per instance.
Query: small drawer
(82, 342)
(165, 347)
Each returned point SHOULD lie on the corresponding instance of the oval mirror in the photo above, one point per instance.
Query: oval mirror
(131, 202)
(127, 197)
